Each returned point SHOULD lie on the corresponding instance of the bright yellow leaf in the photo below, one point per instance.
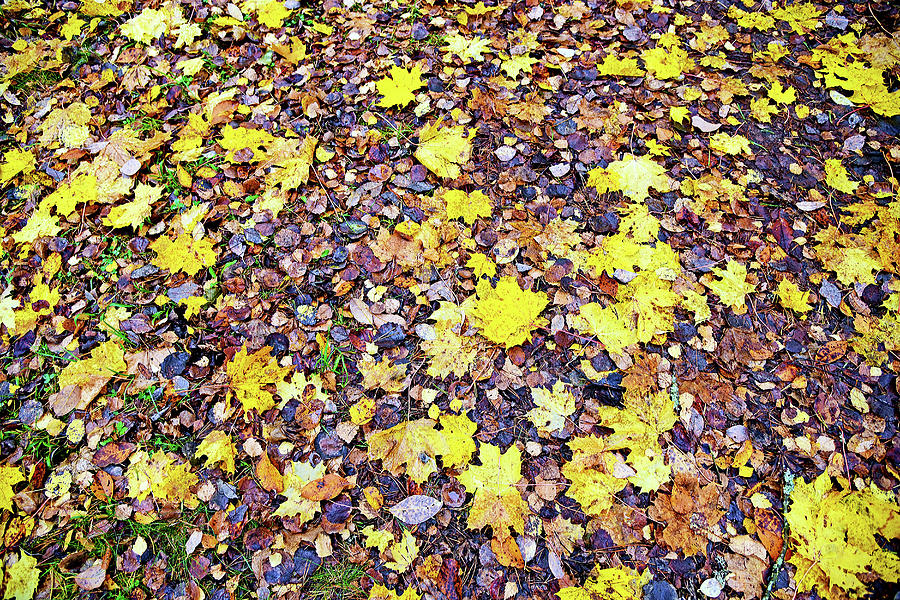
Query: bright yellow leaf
(218, 448)
(497, 503)
(183, 253)
(443, 149)
(790, 296)
(398, 88)
(469, 206)
(732, 287)
(615, 583)
(21, 579)
(249, 376)
(415, 444)
(459, 431)
(837, 177)
(508, 314)
(553, 407)
(835, 538)
(10, 475)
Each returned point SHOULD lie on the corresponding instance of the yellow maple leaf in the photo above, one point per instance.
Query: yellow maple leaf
(513, 66)
(497, 503)
(72, 27)
(250, 374)
(459, 432)
(20, 579)
(16, 162)
(553, 407)
(837, 177)
(67, 126)
(91, 374)
(835, 537)
(730, 144)
(271, 13)
(160, 473)
(411, 443)
(508, 314)
(468, 206)
(615, 583)
(596, 474)
(467, 50)
(397, 89)
(10, 475)
(781, 95)
(40, 224)
(184, 253)
(297, 475)
(404, 552)
(383, 374)
(442, 149)
(801, 16)
(667, 63)
(379, 592)
(732, 287)
(762, 110)
(481, 264)
(293, 51)
(145, 27)
(218, 448)
(632, 176)
(608, 323)
(256, 141)
(82, 189)
(450, 351)
(613, 66)
(637, 428)
(292, 161)
(792, 297)
(377, 538)
(132, 214)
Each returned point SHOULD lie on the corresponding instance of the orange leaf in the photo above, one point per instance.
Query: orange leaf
(507, 552)
(269, 476)
(324, 488)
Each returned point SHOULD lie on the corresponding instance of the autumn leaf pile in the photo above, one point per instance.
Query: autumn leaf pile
(581, 300)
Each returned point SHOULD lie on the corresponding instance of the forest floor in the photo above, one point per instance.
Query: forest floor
(405, 299)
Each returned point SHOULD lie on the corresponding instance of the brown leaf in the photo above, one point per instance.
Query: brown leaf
(831, 351)
(65, 400)
(114, 453)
